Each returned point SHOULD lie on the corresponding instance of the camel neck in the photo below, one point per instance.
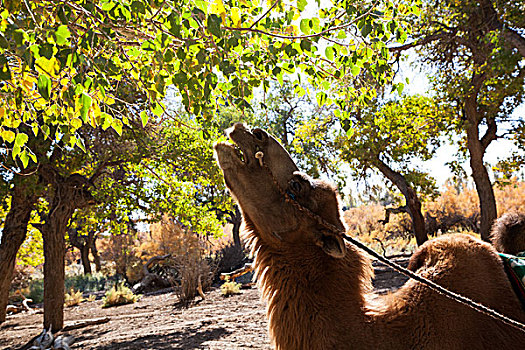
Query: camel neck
(314, 300)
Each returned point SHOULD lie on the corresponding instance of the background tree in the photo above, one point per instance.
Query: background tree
(65, 67)
(477, 50)
(390, 138)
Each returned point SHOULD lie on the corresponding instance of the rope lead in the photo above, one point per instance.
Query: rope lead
(433, 286)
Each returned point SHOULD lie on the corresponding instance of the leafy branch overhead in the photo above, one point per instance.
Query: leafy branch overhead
(75, 62)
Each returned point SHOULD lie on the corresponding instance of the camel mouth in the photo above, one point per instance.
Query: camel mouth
(229, 154)
(238, 151)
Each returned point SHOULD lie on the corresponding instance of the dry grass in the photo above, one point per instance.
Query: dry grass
(452, 211)
(73, 298)
(394, 237)
(119, 295)
(188, 257)
(230, 288)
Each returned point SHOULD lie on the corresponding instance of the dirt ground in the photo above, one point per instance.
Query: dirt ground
(158, 322)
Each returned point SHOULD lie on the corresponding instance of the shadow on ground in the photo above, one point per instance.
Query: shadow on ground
(191, 338)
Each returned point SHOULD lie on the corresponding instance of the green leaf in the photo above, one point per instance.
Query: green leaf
(44, 86)
(355, 69)
(214, 25)
(301, 4)
(85, 101)
(400, 88)
(34, 127)
(367, 29)
(80, 144)
(306, 45)
(62, 34)
(157, 109)
(21, 139)
(305, 26)
(33, 156)
(169, 55)
(46, 130)
(76, 123)
(144, 117)
(329, 52)
(16, 150)
(24, 157)
(107, 120)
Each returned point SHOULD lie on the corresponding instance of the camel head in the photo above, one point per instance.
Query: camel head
(259, 171)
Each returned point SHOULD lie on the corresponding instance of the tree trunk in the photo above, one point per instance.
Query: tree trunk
(84, 257)
(96, 257)
(14, 232)
(84, 244)
(487, 200)
(477, 148)
(413, 203)
(69, 194)
(236, 220)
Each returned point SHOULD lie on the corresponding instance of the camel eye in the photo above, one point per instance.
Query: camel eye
(259, 134)
(295, 186)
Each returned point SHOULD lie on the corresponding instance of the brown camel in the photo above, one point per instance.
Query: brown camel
(318, 288)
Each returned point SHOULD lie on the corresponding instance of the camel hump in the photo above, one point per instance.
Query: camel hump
(508, 233)
(450, 250)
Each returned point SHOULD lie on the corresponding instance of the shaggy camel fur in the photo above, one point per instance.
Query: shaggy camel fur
(508, 233)
(319, 289)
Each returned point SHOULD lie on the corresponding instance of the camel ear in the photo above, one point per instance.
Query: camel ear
(332, 245)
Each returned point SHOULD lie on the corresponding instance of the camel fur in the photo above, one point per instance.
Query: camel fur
(318, 289)
(508, 233)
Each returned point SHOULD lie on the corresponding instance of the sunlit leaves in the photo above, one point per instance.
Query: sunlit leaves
(5, 72)
(62, 34)
(77, 62)
(44, 86)
(85, 105)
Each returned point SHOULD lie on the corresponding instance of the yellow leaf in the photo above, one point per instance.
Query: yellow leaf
(45, 66)
(28, 82)
(236, 16)
(217, 7)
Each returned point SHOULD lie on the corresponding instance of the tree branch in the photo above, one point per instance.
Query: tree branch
(420, 42)
(490, 134)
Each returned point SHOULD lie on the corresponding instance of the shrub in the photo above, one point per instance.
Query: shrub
(455, 210)
(194, 274)
(73, 298)
(119, 295)
(230, 288)
(229, 257)
(36, 291)
(88, 283)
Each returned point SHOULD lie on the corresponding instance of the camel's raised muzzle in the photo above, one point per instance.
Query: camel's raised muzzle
(250, 149)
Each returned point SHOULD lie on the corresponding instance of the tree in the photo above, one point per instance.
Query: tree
(82, 234)
(477, 49)
(389, 137)
(65, 68)
(24, 195)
